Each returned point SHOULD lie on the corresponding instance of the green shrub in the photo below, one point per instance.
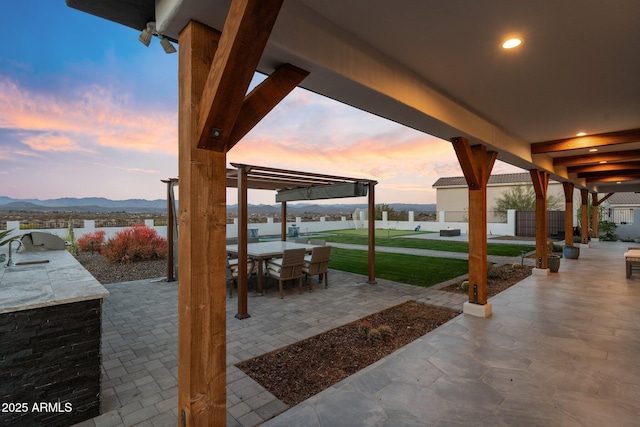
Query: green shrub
(137, 243)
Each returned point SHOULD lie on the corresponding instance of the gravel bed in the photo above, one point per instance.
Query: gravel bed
(107, 273)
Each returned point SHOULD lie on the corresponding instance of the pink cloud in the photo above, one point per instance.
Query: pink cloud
(93, 116)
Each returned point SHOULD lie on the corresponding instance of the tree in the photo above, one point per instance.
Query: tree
(392, 214)
(523, 198)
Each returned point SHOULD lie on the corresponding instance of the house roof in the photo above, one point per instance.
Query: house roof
(506, 178)
(624, 199)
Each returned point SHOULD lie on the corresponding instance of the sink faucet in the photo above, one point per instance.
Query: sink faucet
(10, 262)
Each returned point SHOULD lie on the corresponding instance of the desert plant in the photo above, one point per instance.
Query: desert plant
(385, 331)
(72, 244)
(608, 228)
(4, 239)
(374, 335)
(136, 243)
(365, 327)
(91, 242)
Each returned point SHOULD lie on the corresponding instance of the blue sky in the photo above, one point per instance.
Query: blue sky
(87, 110)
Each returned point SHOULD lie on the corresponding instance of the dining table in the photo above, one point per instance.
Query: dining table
(263, 251)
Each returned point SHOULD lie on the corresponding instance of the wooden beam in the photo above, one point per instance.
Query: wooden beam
(540, 181)
(371, 233)
(602, 167)
(594, 215)
(568, 188)
(202, 263)
(584, 217)
(283, 226)
(605, 198)
(244, 37)
(608, 173)
(476, 163)
(615, 178)
(243, 279)
(613, 156)
(466, 160)
(589, 141)
(263, 98)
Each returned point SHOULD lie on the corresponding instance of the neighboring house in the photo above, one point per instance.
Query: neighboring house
(619, 207)
(452, 192)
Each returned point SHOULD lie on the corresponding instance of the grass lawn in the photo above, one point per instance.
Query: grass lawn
(410, 269)
(393, 238)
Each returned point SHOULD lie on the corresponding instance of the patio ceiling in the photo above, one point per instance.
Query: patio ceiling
(438, 67)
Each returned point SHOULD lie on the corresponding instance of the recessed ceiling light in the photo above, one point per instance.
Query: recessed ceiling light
(593, 150)
(581, 134)
(603, 161)
(512, 42)
(619, 182)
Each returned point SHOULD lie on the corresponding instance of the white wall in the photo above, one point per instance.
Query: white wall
(271, 228)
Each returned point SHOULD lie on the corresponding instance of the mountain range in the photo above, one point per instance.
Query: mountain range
(101, 204)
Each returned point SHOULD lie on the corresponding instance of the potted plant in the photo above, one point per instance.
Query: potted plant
(570, 251)
(553, 261)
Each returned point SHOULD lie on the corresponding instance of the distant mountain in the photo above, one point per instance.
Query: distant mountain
(100, 204)
(86, 204)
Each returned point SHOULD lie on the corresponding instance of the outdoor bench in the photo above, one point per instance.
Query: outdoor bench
(631, 258)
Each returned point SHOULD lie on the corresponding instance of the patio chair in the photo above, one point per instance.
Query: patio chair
(289, 267)
(318, 242)
(303, 240)
(232, 272)
(317, 264)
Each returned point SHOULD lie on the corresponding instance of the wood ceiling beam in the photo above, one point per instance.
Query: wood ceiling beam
(621, 178)
(614, 156)
(608, 173)
(263, 98)
(244, 37)
(589, 141)
(622, 166)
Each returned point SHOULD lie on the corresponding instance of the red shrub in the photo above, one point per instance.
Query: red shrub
(85, 244)
(137, 243)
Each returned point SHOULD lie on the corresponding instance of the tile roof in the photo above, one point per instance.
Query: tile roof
(624, 199)
(505, 178)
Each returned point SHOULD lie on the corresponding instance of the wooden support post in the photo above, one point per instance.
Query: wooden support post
(243, 225)
(202, 238)
(476, 163)
(584, 217)
(283, 226)
(372, 233)
(594, 215)
(568, 213)
(540, 183)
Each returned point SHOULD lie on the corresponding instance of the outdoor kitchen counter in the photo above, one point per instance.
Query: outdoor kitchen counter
(62, 280)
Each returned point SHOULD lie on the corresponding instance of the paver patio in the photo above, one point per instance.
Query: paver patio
(559, 350)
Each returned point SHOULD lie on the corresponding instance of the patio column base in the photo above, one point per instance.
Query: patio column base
(477, 310)
(540, 271)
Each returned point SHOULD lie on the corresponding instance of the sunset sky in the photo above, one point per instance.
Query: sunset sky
(86, 110)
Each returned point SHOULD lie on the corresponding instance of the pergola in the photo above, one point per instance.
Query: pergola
(291, 186)
(433, 66)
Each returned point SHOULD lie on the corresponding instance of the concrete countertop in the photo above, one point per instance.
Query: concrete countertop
(60, 281)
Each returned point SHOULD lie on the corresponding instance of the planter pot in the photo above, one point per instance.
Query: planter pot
(571, 252)
(554, 263)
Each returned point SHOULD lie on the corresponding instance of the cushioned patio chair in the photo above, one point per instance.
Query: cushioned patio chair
(318, 242)
(317, 264)
(232, 272)
(289, 267)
